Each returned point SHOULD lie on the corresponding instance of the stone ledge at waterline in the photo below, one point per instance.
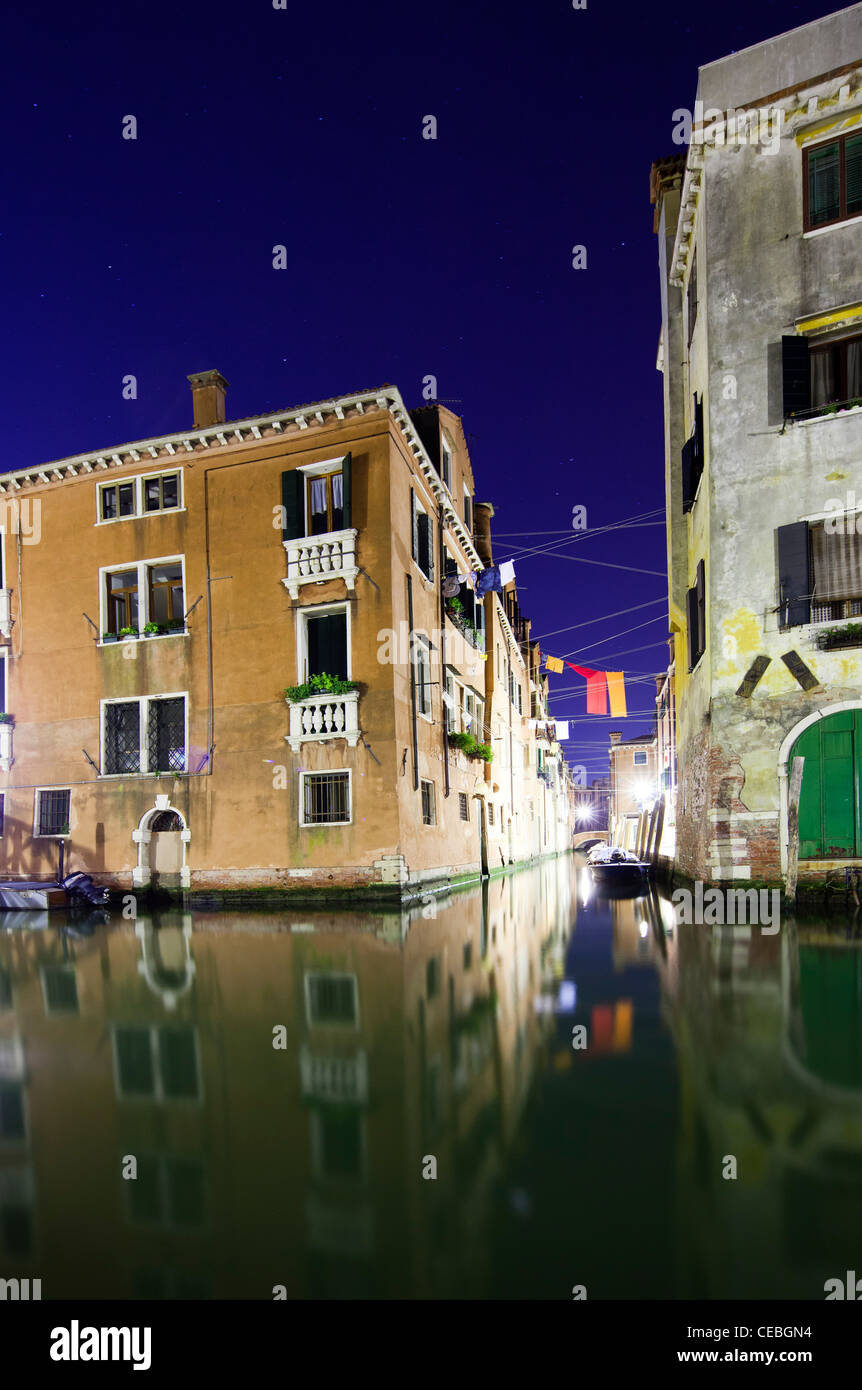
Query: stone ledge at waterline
(813, 894)
(393, 896)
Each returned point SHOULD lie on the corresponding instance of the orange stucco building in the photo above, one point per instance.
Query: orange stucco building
(148, 733)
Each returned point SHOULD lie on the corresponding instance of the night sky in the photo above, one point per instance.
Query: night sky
(406, 257)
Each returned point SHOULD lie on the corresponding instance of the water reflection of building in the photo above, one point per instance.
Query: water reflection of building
(769, 1035)
(406, 1036)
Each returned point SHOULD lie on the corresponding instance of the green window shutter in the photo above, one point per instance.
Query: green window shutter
(429, 527)
(293, 502)
(824, 184)
(347, 489)
(414, 527)
(795, 375)
(853, 174)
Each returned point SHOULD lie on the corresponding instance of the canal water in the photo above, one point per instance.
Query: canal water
(523, 1090)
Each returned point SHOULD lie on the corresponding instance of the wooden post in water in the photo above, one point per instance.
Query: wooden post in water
(659, 827)
(793, 830)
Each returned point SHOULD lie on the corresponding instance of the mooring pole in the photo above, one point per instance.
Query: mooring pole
(793, 830)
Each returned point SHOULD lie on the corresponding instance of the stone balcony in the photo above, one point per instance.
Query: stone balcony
(6, 758)
(6, 612)
(320, 718)
(314, 559)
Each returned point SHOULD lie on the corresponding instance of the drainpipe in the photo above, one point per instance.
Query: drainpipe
(412, 682)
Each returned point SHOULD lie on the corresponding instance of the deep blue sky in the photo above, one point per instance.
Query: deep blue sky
(407, 257)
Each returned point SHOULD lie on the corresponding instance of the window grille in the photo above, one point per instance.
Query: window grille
(326, 798)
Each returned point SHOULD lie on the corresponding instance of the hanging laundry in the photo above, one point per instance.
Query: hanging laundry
(617, 693)
(507, 572)
(561, 729)
(553, 663)
(451, 585)
(488, 580)
(597, 688)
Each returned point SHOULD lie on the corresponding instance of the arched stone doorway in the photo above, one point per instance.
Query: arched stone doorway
(162, 838)
(830, 808)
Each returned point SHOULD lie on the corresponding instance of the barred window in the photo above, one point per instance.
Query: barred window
(423, 676)
(122, 737)
(463, 806)
(52, 812)
(331, 998)
(429, 816)
(326, 798)
(166, 735)
(490, 813)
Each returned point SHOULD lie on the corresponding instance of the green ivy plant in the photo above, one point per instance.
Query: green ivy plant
(471, 746)
(319, 685)
(7, 719)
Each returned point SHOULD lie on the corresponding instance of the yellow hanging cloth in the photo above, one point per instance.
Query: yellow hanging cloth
(617, 693)
(553, 663)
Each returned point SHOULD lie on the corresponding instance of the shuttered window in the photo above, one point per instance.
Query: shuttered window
(692, 298)
(832, 181)
(693, 455)
(696, 617)
(836, 567)
(794, 575)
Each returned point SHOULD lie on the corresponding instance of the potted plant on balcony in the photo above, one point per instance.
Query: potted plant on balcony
(322, 684)
(832, 638)
(109, 636)
(152, 630)
(128, 632)
(471, 746)
(7, 718)
(176, 625)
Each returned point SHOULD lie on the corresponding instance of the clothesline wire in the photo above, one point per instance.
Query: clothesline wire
(589, 622)
(524, 552)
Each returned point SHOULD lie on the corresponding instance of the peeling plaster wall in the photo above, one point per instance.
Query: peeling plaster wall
(757, 276)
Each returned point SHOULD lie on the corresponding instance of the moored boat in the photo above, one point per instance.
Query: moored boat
(611, 865)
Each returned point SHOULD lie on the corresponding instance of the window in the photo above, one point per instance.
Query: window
(449, 706)
(429, 811)
(423, 537)
(832, 181)
(819, 573)
(468, 510)
(167, 1192)
(696, 616)
(60, 989)
(13, 1123)
(2, 810)
(144, 735)
(166, 593)
(640, 757)
(446, 462)
(490, 813)
(150, 592)
(324, 643)
(324, 503)
(52, 812)
(468, 954)
(338, 1149)
(159, 1063)
(693, 459)
(463, 806)
(692, 297)
(422, 666)
(140, 496)
(331, 998)
(835, 371)
(122, 601)
(325, 798)
(432, 977)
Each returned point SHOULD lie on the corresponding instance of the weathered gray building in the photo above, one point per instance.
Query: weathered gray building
(759, 225)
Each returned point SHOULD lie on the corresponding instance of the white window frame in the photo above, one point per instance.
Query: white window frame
(157, 1095)
(137, 480)
(4, 657)
(141, 566)
(639, 757)
(422, 644)
(37, 792)
(317, 470)
(342, 975)
(463, 800)
(319, 610)
(143, 724)
(330, 824)
(468, 499)
(427, 782)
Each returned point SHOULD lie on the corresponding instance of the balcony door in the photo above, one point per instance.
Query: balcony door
(326, 645)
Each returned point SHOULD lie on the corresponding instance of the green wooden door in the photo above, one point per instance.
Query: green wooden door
(829, 809)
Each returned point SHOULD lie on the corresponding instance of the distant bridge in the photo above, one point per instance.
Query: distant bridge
(581, 835)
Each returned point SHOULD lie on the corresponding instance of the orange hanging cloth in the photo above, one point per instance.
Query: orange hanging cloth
(617, 693)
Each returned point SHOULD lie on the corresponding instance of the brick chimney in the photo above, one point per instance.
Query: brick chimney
(208, 395)
(615, 736)
(482, 513)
